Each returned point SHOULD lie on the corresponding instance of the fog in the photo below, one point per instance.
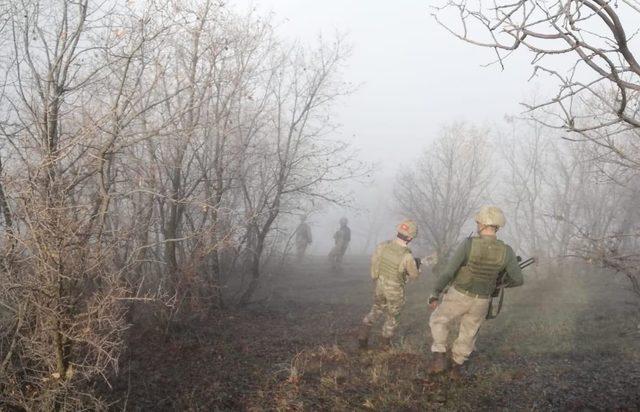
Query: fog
(411, 78)
(158, 157)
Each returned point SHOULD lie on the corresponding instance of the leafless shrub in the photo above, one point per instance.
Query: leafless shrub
(148, 154)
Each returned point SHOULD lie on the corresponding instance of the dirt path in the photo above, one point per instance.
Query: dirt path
(561, 343)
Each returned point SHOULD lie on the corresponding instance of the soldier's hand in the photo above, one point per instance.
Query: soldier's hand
(433, 302)
(432, 259)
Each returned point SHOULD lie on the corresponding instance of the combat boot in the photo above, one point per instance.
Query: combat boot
(438, 363)
(457, 371)
(385, 343)
(363, 336)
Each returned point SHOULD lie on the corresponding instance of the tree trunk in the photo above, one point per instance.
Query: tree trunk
(254, 271)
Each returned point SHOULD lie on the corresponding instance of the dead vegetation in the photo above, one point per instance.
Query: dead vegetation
(563, 342)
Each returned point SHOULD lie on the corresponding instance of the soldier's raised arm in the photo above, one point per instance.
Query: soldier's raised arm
(375, 261)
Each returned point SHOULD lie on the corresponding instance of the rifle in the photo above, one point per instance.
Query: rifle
(500, 286)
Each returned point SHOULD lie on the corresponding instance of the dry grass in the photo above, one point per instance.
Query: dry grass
(568, 344)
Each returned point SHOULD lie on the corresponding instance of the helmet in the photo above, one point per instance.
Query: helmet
(343, 221)
(490, 216)
(408, 228)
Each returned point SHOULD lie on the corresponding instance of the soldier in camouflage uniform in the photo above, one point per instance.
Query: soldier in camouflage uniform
(472, 273)
(342, 237)
(391, 264)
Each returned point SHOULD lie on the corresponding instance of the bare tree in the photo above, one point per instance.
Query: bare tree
(603, 218)
(567, 204)
(148, 146)
(213, 90)
(75, 72)
(292, 160)
(445, 186)
(605, 74)
(585, 47)
(539, 180)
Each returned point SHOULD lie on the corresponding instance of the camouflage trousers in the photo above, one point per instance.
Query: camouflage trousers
(388, 300)
(470, 310)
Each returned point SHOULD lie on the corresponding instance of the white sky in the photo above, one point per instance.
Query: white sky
(414, 76)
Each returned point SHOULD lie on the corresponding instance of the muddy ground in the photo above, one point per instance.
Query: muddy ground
(563, 342)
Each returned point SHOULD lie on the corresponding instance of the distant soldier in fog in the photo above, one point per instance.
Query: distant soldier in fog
(472, 273)
(391, 264)
(303, 237)
(341, 238)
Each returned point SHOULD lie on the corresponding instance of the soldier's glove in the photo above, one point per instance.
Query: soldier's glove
(432, 259)
(433, 302)
(418, 262)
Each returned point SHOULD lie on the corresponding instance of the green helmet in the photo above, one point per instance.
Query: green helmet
(490, 216)
(408, 228)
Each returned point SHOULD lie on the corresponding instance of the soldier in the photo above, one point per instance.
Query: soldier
(341, 238)
(473, 271)
(303, 237)
(391, 264)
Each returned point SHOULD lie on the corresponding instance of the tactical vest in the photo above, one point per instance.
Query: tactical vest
(390, 261)
(487, 258)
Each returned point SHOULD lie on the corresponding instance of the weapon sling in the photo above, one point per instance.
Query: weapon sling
(499, 292)
(490, 314)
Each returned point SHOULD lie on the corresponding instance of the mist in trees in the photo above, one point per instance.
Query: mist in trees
(585, 49)
(562, 199)
(159, 153)
(149, 153)
(443, 187)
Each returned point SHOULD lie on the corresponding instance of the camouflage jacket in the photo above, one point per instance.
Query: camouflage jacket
(406, 264)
